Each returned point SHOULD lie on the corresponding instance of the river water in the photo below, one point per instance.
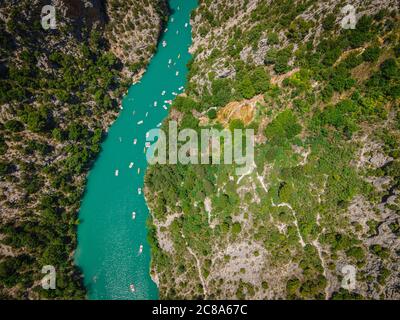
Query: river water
(109, 239)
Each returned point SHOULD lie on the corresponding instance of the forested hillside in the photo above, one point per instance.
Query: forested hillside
(59, 92)
(324, 103)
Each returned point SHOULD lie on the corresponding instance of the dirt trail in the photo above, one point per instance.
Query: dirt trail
(284, 204)
(203, 281)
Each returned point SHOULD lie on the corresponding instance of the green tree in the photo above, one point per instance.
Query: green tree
(246, 88)
(283, 127)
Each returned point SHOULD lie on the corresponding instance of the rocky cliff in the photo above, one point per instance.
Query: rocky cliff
(60, 89)
(323, 196)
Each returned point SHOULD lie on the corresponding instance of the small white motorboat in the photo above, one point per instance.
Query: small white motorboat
(132, 287)
(147, 134)
(146, 114)
(159, 125)
(155, 103)
(165, 107)
(148, 144)
(139, 190)
(163, 93)
(181, 88)
(172, 19)
(116, 173)
(131, 165)
(140, 122)
(135, 141)
(179, 56)
(140, 249)
(177, 73)
(138, 170)
(186, 25)
(174, 93)
(164, 43)
(133, 215)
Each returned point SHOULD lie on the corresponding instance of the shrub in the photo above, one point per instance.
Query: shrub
(389, 69)
(212, 114)
(371, 54)
(283, 127)
(14, 125)
(329, 22)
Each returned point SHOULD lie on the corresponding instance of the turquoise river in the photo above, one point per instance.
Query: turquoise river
(113, 252)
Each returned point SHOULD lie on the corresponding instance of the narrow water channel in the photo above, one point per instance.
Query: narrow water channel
(113, 252)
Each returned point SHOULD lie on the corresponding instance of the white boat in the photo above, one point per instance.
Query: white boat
(181, 88)
(155, 103)
(138, 170)
(159, 125)
(148, 144)
(116, 173)
(140, 249)
(186, 25)
(169, 61)
(133, 215)
(166, 30)
(121, 107)
(132, 288)
(172, 19)
(163, 93)
(135, 141)
(179, 56)
(139, 190)
(177, 31)
(177, 73)
(164, 43)
(165, 107)
(147, 134)
(168, 101)
(146, 114)
(174, 93)
(131, 165)
(133, 113)
(140, 122)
